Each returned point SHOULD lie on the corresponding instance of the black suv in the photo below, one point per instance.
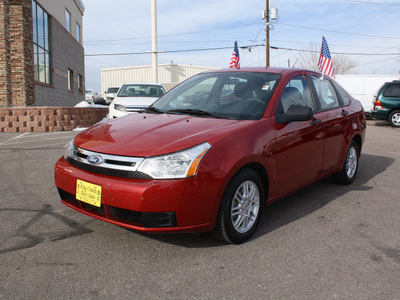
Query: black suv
(387, 103)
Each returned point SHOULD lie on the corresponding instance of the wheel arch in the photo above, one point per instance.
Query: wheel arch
(262, 172)
(357, 138)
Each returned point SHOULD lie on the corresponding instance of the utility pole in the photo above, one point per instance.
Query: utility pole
(154, 51)
(267, 33)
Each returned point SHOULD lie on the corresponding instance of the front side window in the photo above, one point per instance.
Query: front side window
(296, 92)
(41, 44)
(327, 96)
(231, 95)
(67, 20)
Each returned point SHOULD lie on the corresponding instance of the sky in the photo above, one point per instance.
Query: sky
(353, 27)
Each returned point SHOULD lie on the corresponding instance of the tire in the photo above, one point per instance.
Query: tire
(240, 209)
(394, 118)
(349, 171)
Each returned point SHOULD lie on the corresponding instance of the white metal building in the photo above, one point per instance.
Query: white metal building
(364, 87)
(168, 74)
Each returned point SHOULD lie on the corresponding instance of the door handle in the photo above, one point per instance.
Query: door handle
(345, 112)
(315, 121)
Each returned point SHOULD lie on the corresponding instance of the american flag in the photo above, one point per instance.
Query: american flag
(235, 60)
(325, 62)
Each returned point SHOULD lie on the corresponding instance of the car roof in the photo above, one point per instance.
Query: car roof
(276, 70)
(142, 83)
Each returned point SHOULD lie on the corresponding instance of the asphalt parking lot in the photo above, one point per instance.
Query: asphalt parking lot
(324, 242)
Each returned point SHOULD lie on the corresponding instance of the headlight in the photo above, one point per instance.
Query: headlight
(119, 107)
(180, 164)
(69, 151)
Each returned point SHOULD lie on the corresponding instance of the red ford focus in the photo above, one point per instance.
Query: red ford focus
(212, 152)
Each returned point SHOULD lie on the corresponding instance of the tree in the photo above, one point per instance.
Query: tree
(308, 59)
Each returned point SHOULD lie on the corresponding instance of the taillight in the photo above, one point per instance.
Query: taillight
(378, 104)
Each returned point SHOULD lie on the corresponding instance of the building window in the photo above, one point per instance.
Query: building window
(41, 43)
(78, 32)
(70, 80)
(80, 83)
(67, 20)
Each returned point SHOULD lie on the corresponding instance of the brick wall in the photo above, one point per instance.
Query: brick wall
(21, 38)
(39, 119)
(5, 58)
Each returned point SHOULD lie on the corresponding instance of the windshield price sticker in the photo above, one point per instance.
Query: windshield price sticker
(88, 192)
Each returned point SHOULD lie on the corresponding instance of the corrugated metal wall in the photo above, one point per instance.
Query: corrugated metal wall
(168, 74)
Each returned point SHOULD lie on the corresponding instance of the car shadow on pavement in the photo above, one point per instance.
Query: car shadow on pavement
(293, 207)
(312, 198)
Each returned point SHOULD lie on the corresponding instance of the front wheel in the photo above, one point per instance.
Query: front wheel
(240, 208)
(394, 118)
(349, 171)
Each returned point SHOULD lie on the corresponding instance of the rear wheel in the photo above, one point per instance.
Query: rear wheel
(350, 167)
(394, 118)
(240, 208)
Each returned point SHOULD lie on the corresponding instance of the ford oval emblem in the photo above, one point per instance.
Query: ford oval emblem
(95, 159)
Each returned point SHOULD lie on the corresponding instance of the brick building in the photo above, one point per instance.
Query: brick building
(41, 53)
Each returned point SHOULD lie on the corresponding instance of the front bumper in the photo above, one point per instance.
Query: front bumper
(182, 205)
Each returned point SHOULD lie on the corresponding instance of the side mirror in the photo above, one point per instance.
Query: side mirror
(295, 113)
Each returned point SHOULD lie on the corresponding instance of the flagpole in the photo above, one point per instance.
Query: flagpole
(267, 34)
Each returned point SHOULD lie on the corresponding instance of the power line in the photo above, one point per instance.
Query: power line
(375, 3)
(173, 51)
(341, 32)
(171, 35)
(243, 47)
(344, 53)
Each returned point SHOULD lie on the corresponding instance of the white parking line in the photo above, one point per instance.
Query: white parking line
(16, 137)
(39, 140)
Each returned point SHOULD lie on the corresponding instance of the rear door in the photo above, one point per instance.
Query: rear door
(333, 114)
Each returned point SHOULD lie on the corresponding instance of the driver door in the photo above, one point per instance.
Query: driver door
(298, 148)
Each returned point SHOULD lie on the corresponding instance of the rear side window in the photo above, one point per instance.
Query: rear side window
(327, 96)
(344, 96)
(392, 90)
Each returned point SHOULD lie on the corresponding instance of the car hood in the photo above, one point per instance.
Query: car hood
(150, 134)
(129, 101)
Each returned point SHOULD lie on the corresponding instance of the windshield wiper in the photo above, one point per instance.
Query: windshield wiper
(152, 109)
(193, 112)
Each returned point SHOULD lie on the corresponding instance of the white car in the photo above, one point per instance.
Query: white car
(109, 95)
(134, 97)
(89, 95)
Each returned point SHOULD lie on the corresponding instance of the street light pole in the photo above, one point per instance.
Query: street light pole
(154, 51)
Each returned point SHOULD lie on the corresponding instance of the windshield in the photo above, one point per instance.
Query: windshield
(88, 92)
(112, 90)
(238, 96)
(141, 90)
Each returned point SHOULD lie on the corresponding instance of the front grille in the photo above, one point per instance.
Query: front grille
(107, 171)
(71, 199)
(126, 215)
(144, 219)
(106, 164)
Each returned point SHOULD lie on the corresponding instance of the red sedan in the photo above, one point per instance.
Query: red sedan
(212, 152)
